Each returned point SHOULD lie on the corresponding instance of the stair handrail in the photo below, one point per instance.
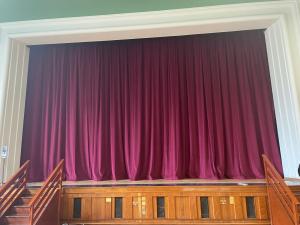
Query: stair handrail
(13, 188)
(46, 193)
(283, 192)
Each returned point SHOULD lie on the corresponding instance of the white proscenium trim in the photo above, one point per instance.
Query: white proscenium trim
(14, 104)
(285, 96)
(275, 16)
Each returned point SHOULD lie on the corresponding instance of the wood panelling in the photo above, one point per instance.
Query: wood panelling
(261, 208)
(170, 207)
(215, 208)
(127, 207)
(102, 208)
(238, 208)
(183, 208)
(86, 207)
(227, 204)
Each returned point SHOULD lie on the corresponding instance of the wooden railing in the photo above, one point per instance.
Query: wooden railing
(13, 189)
(284, 206)
(51, 187)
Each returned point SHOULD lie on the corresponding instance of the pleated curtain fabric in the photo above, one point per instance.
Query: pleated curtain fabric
(164, 108)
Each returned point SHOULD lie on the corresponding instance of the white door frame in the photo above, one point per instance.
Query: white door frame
(279, 18)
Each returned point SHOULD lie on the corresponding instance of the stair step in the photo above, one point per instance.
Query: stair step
(27, 194)
(8, 223)
(30, 191)
(24, 200)
(23, 210)
(14, 219)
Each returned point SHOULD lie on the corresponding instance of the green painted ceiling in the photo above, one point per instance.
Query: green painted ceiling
(16, 10)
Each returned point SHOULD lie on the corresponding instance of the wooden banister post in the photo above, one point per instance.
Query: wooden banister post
(60, 191)
(27, 173)
(31, 216)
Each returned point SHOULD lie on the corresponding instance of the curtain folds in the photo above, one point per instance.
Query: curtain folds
(164, 108)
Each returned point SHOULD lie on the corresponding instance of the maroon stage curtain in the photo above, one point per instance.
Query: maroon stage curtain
(165, 108)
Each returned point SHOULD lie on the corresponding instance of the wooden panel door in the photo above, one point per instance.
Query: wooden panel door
(102, 208)
(186, 207)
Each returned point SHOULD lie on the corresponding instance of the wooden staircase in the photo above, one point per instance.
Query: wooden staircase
(19, 212)
(284, 201)
(22, 206)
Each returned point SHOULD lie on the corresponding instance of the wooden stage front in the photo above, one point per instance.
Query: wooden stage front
(166, 202)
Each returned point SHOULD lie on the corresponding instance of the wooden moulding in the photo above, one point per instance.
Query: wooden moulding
(227, 204)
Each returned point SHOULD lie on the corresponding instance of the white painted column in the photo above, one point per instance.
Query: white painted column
(5, 55)
(4, 66)
(284, 90)
(12, 103)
